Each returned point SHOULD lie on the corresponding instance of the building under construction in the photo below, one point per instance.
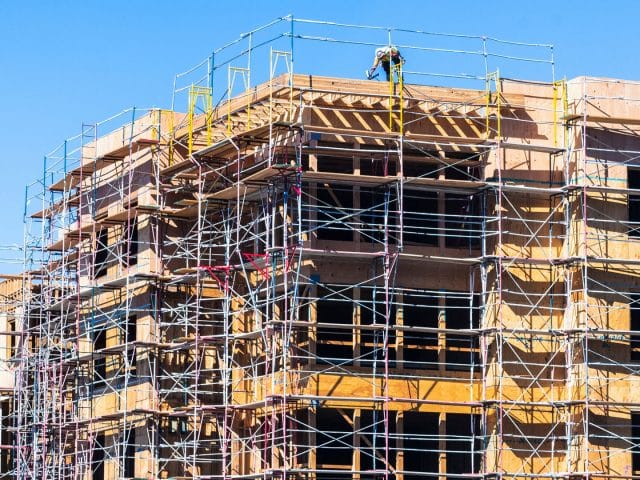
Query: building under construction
(322, 278)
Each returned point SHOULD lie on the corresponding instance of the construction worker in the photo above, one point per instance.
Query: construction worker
(385, 56)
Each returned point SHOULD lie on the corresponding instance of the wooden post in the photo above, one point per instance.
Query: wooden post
(313, 194)
(400, 332)
(442, 445)
(442, 241)
(357, 323)
(442, 337)
(356, 197)
(313, 442)
(400, 444)
(356, 443)
(313, 324)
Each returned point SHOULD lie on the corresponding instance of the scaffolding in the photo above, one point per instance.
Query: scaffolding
(327, 278)
(10, 318)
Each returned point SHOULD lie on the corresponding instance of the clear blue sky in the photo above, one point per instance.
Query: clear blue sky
(67, 62)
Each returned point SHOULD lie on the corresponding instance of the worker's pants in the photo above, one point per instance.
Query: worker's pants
(386, 66)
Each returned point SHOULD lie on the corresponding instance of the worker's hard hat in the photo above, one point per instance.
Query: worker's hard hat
(379, 52)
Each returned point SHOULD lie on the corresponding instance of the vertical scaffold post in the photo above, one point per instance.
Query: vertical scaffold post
(391, 70)
(211, 69)
(249, 81)
(291, 72)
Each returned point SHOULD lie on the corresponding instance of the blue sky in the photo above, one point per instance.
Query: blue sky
(67, 62)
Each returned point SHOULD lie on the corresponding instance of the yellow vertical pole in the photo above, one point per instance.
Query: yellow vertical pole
(248, 85)
(391, 69)
(565, 109)
(209, 114)
(555, 114)
(554, 107)
(171, 137)
(487, 87)
(499, 101)
(196, 92)
(401, 84)
(155, 122)
(495, 76)
(192, 105)
(229, 90)
(249, 108)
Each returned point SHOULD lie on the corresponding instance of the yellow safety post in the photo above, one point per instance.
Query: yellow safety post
(554, 106)
(155, 123)
(391, 71)
(191, 111)
(248, 109)
(559, 84)
(171, 136)
(209, 115)
(198, 92)
(487, 98)
(229, 93)
(499, 102)
(495, 76)
(565, 109)
(401, 85)
(397, 70)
